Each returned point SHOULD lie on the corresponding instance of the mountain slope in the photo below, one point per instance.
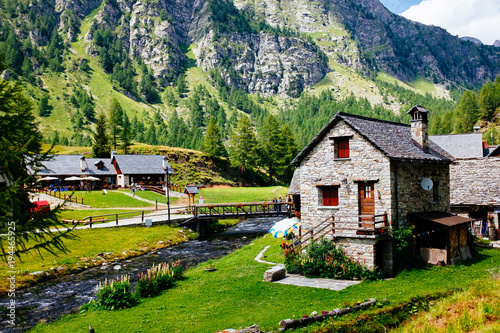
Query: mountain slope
(400, 47)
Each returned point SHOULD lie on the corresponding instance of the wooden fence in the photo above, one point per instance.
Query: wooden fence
(61, 195)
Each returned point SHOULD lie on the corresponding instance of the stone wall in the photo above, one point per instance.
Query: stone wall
(475, 181)
(411, 197)
(360, 250)
(320, 168)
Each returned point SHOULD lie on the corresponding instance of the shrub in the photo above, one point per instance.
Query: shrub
(158, 278)
(324, 259)
(114, 295)
(403, 244)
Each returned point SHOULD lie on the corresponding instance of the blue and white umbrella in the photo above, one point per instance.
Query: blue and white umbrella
(284, 227)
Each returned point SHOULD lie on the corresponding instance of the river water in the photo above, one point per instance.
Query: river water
(49, 301)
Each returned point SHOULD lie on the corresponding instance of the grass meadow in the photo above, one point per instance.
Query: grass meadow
(234, 296)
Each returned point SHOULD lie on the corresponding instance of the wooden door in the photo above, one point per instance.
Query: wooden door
(366, 199)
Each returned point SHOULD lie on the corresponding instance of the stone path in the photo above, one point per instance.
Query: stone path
(302, 281)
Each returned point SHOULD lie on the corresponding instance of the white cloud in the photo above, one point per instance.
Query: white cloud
(472, 18)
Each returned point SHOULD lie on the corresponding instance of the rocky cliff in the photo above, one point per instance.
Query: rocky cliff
(257, 62)
(393, 43)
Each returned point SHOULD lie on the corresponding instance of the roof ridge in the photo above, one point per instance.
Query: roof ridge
(372, 119)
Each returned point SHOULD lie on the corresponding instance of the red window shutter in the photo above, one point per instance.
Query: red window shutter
(330, 196)
(343, 148)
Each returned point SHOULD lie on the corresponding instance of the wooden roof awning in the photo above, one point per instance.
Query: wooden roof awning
(443, 218)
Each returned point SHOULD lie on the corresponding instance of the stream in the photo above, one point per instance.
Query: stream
(47, 302)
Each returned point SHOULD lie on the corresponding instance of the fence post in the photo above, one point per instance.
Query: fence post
(142, 216)
(116, 219)
(91, 222)
(156, 204)
(82, 201)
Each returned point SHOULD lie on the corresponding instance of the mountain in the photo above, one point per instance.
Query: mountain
(165, 60)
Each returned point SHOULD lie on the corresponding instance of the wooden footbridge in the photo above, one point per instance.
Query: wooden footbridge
(237, 210)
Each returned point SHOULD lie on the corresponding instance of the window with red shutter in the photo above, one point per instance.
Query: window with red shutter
(330, 195)
(342, 147)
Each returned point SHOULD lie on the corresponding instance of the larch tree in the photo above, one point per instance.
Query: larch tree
(212, 141)
(243, 145)
(115, 121)
(100, 143)
(126, 135)
(269, 145)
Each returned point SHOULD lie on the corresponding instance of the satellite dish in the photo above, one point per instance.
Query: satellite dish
(426, 184)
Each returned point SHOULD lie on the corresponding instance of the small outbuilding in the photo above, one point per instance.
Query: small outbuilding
(191, 191)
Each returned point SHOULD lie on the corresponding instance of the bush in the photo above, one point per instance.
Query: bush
(158, 278)
(403, 244)
(324, 259)
(114, 295)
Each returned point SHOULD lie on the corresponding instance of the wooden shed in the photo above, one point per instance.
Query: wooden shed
(442, 237)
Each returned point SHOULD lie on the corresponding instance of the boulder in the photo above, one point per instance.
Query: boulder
(274, 274)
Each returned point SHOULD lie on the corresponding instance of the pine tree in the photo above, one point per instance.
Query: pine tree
(126, 135)
(21, 150)
(44, 109)
(100, 144)
(288, 150)
(467, 113)
(181, 85)
(150, 135)
(243, 145)
(268, 145)
(115, 121)
(212, 141)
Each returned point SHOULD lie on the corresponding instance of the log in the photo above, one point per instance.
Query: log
(291, 323)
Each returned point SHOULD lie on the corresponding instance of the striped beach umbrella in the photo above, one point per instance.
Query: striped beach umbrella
(284, 227)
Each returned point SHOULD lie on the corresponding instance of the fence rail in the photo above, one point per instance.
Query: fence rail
(241, 209)
(121, 216)
(60, 195)
(343, 226)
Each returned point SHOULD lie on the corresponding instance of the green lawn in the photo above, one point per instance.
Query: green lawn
(113, 199)
(149, 195)
(88, 244)
(241, 194)
(235, 296)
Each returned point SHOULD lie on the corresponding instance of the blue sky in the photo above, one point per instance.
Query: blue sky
(471, 18)
(399, 6)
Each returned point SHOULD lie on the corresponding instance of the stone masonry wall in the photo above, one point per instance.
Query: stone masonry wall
(411, 197)
(320, 168)
(475, 181)
(360, 250)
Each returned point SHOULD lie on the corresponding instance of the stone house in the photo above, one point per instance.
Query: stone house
(370, 173)
(474, 177)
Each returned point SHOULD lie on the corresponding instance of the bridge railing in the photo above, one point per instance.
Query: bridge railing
(241, 209)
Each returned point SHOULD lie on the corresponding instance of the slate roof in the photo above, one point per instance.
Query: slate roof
(191, 190)
(69, 165)
(142, 164)
(393, 139)
(461, 145)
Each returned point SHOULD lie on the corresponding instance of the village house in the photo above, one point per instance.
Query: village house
(114, 172)
(367, 174)
(474, 180)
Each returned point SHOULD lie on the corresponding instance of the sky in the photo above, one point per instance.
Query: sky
(471, 18)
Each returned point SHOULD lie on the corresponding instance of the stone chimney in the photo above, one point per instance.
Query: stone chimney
(82, 163)
(419, 128)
